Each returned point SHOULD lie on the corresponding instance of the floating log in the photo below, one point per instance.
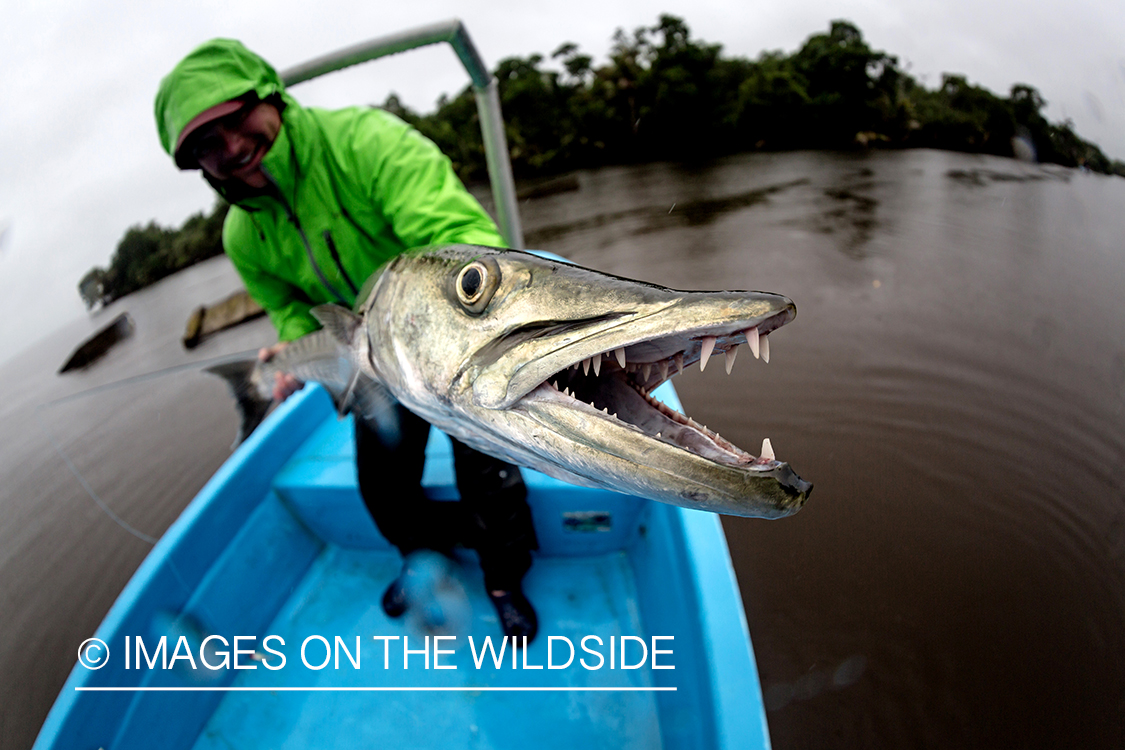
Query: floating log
(207, 319)
(95, 347)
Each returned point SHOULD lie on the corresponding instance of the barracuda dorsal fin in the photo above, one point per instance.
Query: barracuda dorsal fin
(340, 322)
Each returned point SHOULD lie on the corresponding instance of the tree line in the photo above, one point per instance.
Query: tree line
(664, 96)
(146, 254)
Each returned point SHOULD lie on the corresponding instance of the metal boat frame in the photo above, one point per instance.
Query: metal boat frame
(484, 86)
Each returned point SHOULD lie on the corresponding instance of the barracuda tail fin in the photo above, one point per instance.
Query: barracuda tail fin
(252, 408)
(368, 399)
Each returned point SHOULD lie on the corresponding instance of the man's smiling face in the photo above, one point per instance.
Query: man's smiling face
(232, 147)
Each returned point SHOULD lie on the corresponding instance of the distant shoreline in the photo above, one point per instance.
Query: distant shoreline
(528, 189)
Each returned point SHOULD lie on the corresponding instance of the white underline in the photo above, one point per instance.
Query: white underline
(371, 689)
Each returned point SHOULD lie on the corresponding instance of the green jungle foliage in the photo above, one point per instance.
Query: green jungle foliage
(665, 96)
(147, 254)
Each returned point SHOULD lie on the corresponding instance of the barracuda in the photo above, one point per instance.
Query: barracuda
(551, 366)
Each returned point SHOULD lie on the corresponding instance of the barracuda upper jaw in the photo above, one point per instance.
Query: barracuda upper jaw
(650, 363)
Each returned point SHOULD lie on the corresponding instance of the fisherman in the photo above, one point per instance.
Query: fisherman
(319, 200)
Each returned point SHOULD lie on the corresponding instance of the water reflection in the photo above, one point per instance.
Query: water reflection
(851, 213)
(644, 220)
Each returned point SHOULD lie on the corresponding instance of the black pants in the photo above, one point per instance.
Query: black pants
(492, 517)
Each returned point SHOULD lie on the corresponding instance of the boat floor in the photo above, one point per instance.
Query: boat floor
(340, 595)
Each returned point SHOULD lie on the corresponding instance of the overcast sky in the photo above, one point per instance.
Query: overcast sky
(82, 163)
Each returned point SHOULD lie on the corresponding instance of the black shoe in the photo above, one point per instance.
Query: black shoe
(517, 616)
(394, 598)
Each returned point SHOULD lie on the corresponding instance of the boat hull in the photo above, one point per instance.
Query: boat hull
(278, 544)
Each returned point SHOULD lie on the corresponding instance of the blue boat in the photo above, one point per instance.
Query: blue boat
(279, 544)
(256, 620)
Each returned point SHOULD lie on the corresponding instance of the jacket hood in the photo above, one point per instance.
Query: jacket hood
(214, 72)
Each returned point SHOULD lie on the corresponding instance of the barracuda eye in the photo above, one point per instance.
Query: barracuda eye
(471, 280)
(476, 283)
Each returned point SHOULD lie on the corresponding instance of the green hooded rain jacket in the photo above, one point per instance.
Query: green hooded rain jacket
(352, 188)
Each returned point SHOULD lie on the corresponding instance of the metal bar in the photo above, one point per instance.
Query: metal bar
(372, 49)
(499, 166)
(485, 88)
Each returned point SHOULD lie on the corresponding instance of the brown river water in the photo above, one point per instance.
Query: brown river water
(953, 385)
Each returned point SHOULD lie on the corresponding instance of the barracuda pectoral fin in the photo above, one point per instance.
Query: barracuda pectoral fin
(367, 398)
(374, 404)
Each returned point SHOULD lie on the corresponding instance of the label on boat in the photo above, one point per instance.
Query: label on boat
(586, 521)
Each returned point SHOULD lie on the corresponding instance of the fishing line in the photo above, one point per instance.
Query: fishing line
(82, 481)
(237, 356)
(180, 617)
(221, 360)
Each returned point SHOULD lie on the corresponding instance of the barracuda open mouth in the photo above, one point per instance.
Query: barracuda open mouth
(617, 385)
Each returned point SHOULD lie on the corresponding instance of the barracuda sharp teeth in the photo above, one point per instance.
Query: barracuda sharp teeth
(731, 354)
(620, 352)
(586, 366)
(765, 350)
(705, 351)
(767, 450)
(752, 340)
(679, 362)
(658, 434)
(663, 370)
(598, 365)
(646, 370)
(566, 391)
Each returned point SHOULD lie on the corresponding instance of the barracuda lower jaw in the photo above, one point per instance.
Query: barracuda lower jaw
(619, 389)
